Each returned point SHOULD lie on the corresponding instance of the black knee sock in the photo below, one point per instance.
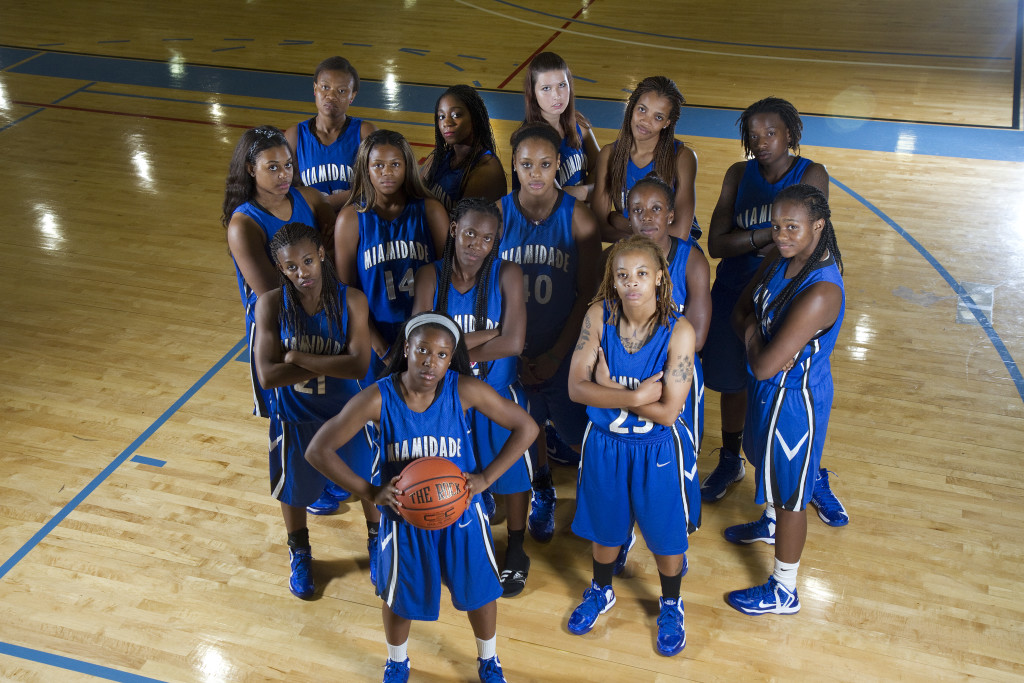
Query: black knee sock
(732, 441)
(670, 586)
(372, 528)
(515, 556)
(603, 573)
(542, 478)
(299, 538)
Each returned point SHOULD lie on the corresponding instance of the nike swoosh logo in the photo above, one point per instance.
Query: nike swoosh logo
(463, 526)
(664, 464)
(767, 605)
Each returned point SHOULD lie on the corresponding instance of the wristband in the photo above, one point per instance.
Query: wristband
(752, 244)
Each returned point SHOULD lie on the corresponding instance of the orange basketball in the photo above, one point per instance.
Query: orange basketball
(434, 493)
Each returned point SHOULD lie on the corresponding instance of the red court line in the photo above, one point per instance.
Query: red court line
(547, 42)
(157, 118)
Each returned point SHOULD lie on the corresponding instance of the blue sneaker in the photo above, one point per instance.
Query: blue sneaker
(729, 470)
(542, 514)
(490, 670)
(301, 581)
(489, 505)
(671, 633)
(596, 601)
(620, 560)
(762, 530)
(327, 504)
(396, 672)
(770, 598)
(558, 450)
(373, 549)
(830, 510)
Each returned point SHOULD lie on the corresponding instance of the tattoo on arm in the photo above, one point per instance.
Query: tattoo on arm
(683, 371)
(584, 335)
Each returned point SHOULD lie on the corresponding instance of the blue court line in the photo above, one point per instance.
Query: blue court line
(735, 44)
(143, 460)
(225, 49)
(454, 66)
(73, 92)
(116, 462)
(104, 42)
(482, 59)
(824, 131)
(17, 121)
(357, 44)
(12, 56)
(49, 44)
(68, 664)
(986, 324)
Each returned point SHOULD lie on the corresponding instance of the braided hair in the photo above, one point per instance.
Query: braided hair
(483, 135)
(664, 151)
(399, 363)
(772, 105)
(543, 63)
(292, 318)
(483, 279)
(817, 207)
(665, 309)
(241, 185)
(651, 180)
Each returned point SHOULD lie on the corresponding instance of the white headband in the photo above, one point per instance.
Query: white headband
(437, 319)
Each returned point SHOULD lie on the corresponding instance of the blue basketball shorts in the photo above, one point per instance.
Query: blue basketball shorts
(784, 438)
(641, 480)
(292, 479)
(488, 438)
(413, 563)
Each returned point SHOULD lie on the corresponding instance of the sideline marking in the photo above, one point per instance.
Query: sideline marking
(986, 324)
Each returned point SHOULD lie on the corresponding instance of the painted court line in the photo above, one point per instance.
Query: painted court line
(117, 462)
(986, 324)
(76, 665)
(744, 55)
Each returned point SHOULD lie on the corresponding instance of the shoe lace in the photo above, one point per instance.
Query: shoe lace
(823, 496)
(670, 619)
(301, 561)
(593, 601)
(394, 669)
(490, 670)
(546, 496)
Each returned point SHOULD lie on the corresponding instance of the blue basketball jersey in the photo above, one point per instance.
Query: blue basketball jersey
(548, 256)
(320, 398)
(270, 224)
(629, 369)
(462, 308)
(328, 168)
(635, 174)
(693, 411)
(753, 211)
(447, 184)
(813, 365)
(390, 252)
(441, 430)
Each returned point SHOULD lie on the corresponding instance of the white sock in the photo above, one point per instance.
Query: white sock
(485, 649)
(770, 511)
(785, 573)
(398, 653)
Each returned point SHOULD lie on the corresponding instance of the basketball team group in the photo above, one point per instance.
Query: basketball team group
(397, 312)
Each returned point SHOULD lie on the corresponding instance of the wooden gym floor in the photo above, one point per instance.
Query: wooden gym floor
(137, 538)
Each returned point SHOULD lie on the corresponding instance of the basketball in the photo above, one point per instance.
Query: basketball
(434, 493)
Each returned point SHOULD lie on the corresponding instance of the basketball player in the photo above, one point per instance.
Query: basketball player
(632, 367)
(789, 318)
(646, 144)
(425, 395)
(326, 145)
(484, 294)
(391, 228)
(740, 234)
(554, 240)
(259, 197)
(465, 161)
(311, 344)
(550, 96)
